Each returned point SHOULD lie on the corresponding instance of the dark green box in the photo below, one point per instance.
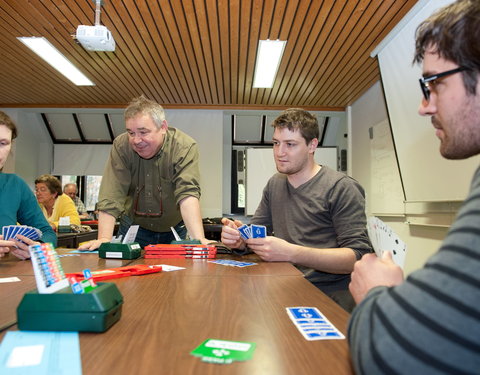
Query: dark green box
(119, 250)
(95, 311)
(64, 229)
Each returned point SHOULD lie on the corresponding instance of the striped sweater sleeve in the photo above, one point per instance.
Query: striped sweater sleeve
(430, 324)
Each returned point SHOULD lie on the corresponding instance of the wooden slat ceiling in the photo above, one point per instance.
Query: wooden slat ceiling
(197, 53)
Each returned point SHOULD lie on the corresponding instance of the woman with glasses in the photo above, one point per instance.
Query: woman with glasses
(17, 202)
(53, 202)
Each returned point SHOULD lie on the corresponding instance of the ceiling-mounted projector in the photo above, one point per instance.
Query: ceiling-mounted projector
(95, 38)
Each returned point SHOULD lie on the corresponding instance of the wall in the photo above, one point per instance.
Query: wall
(369, 110)
(33, 152)
(206, 127)
(227, 163)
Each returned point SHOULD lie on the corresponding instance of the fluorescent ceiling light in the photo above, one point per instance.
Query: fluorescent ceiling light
(43, 48)
(269, 55)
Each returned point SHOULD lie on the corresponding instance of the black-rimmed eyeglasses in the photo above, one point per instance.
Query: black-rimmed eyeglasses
(425, 82)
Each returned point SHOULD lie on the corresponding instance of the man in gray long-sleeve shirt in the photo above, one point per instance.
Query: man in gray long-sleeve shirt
(317, 214)
(430, 323)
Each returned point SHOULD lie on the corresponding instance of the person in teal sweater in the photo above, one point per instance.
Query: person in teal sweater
(17, 202)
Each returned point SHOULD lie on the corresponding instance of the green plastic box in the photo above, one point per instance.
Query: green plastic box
(95, 311)
(119, 250)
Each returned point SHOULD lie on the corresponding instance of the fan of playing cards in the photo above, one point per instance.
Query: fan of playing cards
(252, 231)
(384, 238)
(11, 231)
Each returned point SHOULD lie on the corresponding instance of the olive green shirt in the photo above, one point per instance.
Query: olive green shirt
(149, 190)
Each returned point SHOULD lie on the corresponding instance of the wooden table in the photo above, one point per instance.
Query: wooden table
(12, 294)
(167, 315)
(200, 267)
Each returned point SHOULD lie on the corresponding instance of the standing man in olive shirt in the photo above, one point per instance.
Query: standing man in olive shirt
(151, 179)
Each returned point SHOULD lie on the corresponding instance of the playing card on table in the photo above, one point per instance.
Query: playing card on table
(312, 324)
(233, 263)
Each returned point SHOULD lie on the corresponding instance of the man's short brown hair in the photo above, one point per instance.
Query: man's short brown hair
(297, 118)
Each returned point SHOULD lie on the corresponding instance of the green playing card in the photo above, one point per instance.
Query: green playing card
(225, 352)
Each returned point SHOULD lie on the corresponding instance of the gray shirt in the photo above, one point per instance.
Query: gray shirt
(328, 211)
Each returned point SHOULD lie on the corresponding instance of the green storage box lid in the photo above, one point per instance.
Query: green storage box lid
(101, 299)
(95, 311)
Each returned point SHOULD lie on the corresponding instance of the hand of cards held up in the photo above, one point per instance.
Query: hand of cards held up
(10, 232)
(252, 231)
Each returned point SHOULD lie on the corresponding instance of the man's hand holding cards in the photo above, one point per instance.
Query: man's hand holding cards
(252, 231)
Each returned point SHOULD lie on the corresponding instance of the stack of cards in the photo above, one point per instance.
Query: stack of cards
(312, 324)
(10, 231)
(252, 231)
(193, 251)
(233, 263)
(383, 238)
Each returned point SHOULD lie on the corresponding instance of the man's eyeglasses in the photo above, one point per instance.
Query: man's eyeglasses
(142, 212)
(425, 82)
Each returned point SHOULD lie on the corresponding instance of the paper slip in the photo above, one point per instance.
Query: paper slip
(83, 251)
(168, 268)
(40, 353)
(9, 279)
(131, 234)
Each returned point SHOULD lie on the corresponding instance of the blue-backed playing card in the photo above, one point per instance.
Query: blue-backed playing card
(234, 263)
(11, 231)
(312, 324)
(244, 233)
(304, 312)
(259, 231)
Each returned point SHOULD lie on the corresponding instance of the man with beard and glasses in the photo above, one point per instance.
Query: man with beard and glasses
(430, 322)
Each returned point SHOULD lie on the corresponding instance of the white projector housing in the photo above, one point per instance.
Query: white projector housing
(95, 38)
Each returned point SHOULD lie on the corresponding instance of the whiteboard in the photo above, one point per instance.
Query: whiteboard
(386, 192)
(260, 166)
(426, 175)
